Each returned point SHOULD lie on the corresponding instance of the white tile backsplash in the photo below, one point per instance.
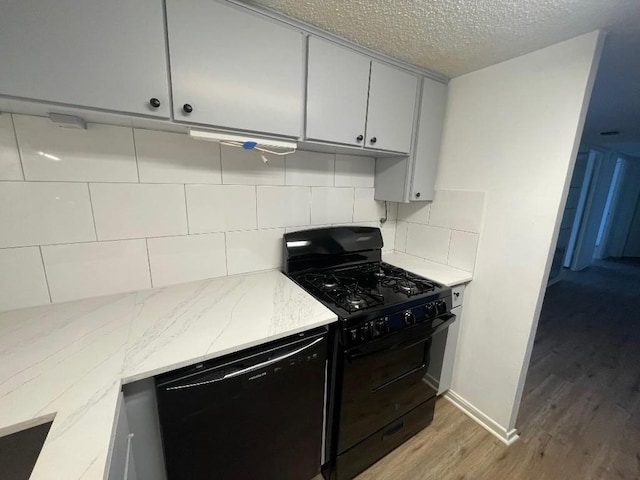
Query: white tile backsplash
(416, 212)
(22, 278)
(331, 205)
(135, 211)
(245, 167)
(254, 250)
(388, 230)
(365, 208)
(186, 258)
(10, 168)
(400, 243)
(428, 242)
(101, 153)
(42, 213)
(354, 171)
(159, 209)
(310, 168)
(457, 210)
(93, 269)
(283, 206)
(462, 251)
(221, 208)
(165, 157)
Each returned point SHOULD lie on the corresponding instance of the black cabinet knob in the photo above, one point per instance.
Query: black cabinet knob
(154, 102)
(373, 140)
(187, 108)
(359, 138)
(418, 195)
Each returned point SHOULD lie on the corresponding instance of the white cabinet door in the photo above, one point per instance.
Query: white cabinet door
(89, 53)
(413, 178)
(119, 456)
(392, 100)
(234, 69)
(337, 89)
(427, 151)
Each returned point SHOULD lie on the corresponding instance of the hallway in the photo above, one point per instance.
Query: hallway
(580, 415)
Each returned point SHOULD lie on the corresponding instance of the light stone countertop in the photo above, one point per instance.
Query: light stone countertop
(437, 272)
(67, 361)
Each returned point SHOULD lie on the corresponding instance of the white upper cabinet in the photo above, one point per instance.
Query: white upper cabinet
(352, 100)
(433, 106)
(90, 53)
(337, 89)
(413, 177)
(392, 99)
(233, 69)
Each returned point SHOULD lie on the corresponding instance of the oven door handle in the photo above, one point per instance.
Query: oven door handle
(400, 377)
(360, 352)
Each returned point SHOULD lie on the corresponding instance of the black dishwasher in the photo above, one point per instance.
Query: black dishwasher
(257, 414)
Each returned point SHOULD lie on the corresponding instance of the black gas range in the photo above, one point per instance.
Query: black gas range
(378, 392)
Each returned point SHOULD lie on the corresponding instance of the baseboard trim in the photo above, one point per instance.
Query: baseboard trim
(508, 437)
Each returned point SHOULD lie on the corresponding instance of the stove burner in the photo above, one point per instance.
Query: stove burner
(407, 287)
(356, 301)
(379, 273)
(329, 284)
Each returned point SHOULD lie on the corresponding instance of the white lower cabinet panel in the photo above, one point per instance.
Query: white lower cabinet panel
(145, 445)
(121, 464)
(443, 348)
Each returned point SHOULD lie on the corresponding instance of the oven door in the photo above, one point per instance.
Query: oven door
(383, 380)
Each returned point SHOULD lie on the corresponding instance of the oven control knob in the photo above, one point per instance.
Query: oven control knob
(365, 332)
(430, 310)
(353, 335)
(380, 327)
(441, 306)
(409, 317)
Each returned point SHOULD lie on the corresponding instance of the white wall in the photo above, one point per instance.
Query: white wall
(512, 131)
(112, 209)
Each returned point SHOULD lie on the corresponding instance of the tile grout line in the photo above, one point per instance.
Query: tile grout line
(46, 277)
(226, 254)
(146, 242)
(186, 209)
(353, 207)
(15, 137)
(449, 246)
(135, 153)
(109, 240)
(93, 215)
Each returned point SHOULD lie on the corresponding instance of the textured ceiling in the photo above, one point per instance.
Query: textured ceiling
(454, 37)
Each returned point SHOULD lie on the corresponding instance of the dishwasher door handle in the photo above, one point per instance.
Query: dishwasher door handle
(252, 368)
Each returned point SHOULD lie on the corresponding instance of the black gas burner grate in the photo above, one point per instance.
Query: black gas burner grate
(365, 286)
(343, 291)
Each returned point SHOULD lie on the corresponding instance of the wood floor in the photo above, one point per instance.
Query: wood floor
(580, 416)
